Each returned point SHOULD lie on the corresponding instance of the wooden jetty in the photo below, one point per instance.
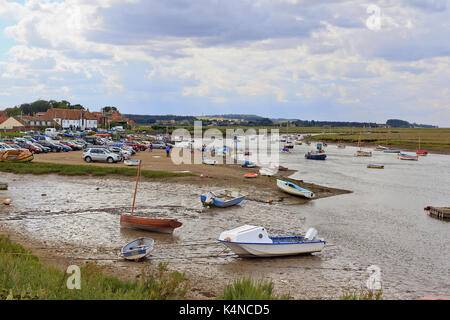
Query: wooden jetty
(440, 212)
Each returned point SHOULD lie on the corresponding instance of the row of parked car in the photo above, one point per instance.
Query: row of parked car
(41, 144)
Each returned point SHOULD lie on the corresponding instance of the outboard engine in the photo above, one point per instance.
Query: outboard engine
(311, 234)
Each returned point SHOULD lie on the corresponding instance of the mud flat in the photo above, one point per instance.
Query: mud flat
(262, 188)
(68, 220)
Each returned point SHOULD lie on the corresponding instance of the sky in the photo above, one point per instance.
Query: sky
(303, 59)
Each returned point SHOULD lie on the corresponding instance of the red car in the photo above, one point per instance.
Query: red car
(135, 145)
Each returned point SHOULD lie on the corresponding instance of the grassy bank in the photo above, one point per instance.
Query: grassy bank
(80, 170)
(23, 276)
(438, 138)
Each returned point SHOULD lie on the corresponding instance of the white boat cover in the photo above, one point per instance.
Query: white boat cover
(246, 233)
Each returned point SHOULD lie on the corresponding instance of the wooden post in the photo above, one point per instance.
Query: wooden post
(135, 189)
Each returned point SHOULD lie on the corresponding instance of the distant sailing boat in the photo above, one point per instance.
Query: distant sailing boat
(360, 152)
(144, 223)
(421, 152)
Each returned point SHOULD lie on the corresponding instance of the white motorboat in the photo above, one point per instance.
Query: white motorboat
(253, 241)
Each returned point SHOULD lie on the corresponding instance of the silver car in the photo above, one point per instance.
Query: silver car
(101, 154)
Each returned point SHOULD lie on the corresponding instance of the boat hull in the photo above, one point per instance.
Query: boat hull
(296, 191)
(222, 204)
(316, 156)
(249, 250)
(149, 224)
(16, 156)
(137, 249)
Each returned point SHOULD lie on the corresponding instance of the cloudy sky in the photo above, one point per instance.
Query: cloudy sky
(306, 59)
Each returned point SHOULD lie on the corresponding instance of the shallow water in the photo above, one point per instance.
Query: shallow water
(381, 223)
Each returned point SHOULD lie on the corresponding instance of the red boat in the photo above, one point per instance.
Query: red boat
(281, 168)
(149, 224)
(421, 152)
(251, 175)
(144, 223)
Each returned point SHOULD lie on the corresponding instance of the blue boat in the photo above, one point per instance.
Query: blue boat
(137, 249)
(222, 198)
(294, 189)
(315, 156)
(391, 151)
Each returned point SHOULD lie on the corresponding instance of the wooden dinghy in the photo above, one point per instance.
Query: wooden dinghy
(362, 153)
(162, 225)
(149, 224)
(137, 249)
(3, 186)
(253, 241)
(375, 166)
(294, 189)
(131, 162)
(16, 156)
(222, 198)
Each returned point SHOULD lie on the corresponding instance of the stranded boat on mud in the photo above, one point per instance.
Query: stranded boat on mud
(253, 241)
(222, 198)
(161, 225)
(3, 186)
(404, 156)
(137, 249)
(294, 189)
(312, 155)
(16, 156)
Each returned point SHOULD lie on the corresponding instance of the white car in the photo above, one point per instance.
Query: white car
(101, 154)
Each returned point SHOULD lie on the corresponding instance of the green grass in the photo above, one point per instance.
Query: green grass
(80, 170)
(247, 289)
(23, 276)
(403, 137)
(362, 294)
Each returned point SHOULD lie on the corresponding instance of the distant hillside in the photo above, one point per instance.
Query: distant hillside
(246, 117)
(150, 119)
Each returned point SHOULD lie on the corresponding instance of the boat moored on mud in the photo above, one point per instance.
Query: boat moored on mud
(253, 241)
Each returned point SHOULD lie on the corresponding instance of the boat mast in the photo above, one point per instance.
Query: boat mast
(135, 189)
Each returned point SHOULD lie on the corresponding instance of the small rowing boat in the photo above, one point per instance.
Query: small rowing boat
(391, 151)
(294, 189)
(312, 155)
(3, 186)
(162, 225)
(209, 161)
(404, 156)
(281, 168)
(149, 224)
(249, 164)
(137, 249)
(250, 175)
(16, 156)
(222, 198)
(253, 241)
(267, 172)
(131, 162)
(375, 166)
